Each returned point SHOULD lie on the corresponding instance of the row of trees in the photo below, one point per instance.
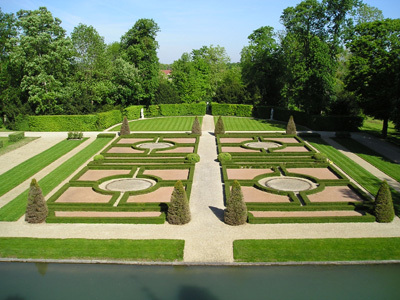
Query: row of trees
(333, 57)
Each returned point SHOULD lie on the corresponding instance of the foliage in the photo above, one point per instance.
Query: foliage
(192, 158)
(231, 89)
(16, 136)
(75, 135)
(107, 119)
(125, 127)
(36, 209)
(291, 126)
(63, 123)
(320, 157)
(166, 93)
(133, 112)
(196, 128)
(178, 208)
(383, 206)
(98, 157)
(219, 127)
(224, 157)
(239, 110)
(236, 211)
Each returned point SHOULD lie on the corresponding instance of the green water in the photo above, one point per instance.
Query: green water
(23, 281)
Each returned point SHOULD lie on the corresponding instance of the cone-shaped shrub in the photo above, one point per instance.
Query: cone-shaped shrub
(236, 210)
(219, 127)
(36, 209)
(383, 207)
(125, 130)
(196, 128)
(291, 126)
(178, 208)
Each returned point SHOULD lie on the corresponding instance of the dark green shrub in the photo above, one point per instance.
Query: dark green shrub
(22, 123)
(75, 135)
(178, 208)
(320, 157)
(219, 127)
(291, 126)
(236, 211)
(224, 156)
(196, 128)
(36, 209)
(125, 130)
(383, 206)
(192, 158)
(16, 136)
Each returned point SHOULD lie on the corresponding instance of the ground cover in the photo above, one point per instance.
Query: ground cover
(374, 127)
(161, 124)
(133, 182)
(10, 146)
(300, 250)
(114, 249)
(15, 209)
(385, 165)
(251, 124)
(284, 181)
(28, 168)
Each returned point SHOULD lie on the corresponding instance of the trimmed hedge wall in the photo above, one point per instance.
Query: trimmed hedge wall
(16, 136)
(239, 110)
(63, 123)
(133, 112)
(166, 110)
(108, 119)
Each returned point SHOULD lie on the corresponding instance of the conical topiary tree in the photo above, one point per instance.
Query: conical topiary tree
(125, 130)
(383, 206)
(36, 209)
(178, 208)
(236, 210)
(219, 127)
(291, 126)
(196, 128)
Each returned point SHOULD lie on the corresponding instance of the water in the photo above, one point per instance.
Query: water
(29, 281)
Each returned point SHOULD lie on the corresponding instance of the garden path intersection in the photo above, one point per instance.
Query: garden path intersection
(207, 238)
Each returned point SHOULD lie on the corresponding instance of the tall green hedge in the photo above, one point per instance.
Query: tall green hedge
(133, 112)
(166, 110)
(239, 110)
(63, 123)
(109, 118)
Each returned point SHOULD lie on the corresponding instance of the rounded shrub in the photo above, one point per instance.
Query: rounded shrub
(192, 158)
(224, 156)
(320, 157)
(98, 157)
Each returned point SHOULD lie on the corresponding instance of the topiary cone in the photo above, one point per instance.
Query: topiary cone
(219, 127)
(236, 210)
(291, 126)
(196, 128)
(36, 209)
(383, 206)
(125, 130)
(178, 208)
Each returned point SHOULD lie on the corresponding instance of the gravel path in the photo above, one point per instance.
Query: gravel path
(207, 238)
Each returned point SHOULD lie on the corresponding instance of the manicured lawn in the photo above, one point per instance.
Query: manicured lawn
(374, 127)
(316, 250)
(137, 250)
(7, 146)
(250, 124)
(161, 124)
(16, 208)
(28, 168)
(386, 166)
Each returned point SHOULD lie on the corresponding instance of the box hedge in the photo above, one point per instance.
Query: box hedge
(63, 123)
(108, 119)
(239, 110)
(133, 112)
(16, 136)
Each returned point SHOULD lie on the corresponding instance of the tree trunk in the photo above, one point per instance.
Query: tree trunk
(385, 127)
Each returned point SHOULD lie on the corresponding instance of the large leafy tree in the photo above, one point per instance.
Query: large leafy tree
(139, 47)
(374, 71)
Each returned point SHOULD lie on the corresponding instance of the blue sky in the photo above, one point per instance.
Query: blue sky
(185, 24)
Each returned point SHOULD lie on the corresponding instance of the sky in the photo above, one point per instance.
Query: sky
(185, 24)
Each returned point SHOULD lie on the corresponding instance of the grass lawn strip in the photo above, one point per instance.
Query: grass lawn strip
(16, 208)
(374, 158)
(10, 146)
(297, 250)
(374, 127)
(162, 124)
(30, 167)
(116, 249)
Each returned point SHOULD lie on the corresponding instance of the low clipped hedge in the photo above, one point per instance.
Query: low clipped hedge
(16, 136)
(239, 110)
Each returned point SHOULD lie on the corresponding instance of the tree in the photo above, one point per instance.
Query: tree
(166, 92)
(139, 47)
(36, 209)
(196, 128)
(291, 126)
(374, 71)
(232, 89)
(219, 127)
(236, 210)
(125, 130)
(128, 89)
(178, 208)
(383, 206)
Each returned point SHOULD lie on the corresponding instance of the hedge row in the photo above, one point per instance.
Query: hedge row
(16, 136)
(166, 110)
(239, 110)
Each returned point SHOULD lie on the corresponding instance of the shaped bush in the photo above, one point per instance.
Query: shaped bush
(192, 158)
(224, 156)
(383, 206)
(75, 135)
(36, 209)
(219, 127)
(178, 208)
(291, 126)
(196, 128)
(320, 157)
(236, 210)
(125, 130)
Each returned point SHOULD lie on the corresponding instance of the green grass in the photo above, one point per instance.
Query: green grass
(250, 124)
(161, 124)
(7, 146)
(116, 249)
(28, 168)
(15, 209)
(374, 158)
(298, 250)
(374, 127)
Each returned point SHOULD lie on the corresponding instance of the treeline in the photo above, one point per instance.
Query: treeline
(334, 57)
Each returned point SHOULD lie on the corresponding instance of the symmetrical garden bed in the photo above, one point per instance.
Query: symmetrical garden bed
(133, 182)
(283, 181)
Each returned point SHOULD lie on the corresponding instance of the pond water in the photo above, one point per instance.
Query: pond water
(30, 281)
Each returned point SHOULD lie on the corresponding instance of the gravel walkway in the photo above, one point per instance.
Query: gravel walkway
(207, 238)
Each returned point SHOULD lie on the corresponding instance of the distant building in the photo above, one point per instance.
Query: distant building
(166, 72)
